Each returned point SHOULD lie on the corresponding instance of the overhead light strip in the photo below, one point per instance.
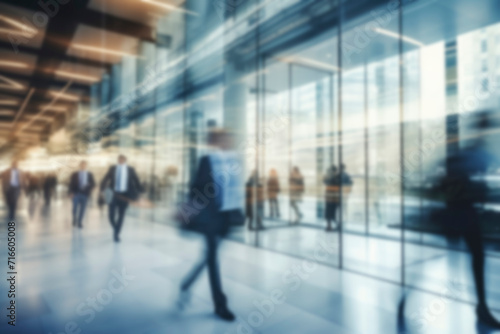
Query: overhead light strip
(17, 64)
(55, 108)
(11, 83)
(57, 96)
(309, 62)
(101, 50)
(8, 103)
(64, 97)
(23, 106)
(18, 24)
(4, 112)
(397, 36)
(77, 76)
(170, 7)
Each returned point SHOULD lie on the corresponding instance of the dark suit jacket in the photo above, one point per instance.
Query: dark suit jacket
(74, 184)
(6, 180)
(209, 219)
(134, 187)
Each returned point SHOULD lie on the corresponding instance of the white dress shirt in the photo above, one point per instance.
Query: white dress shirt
(14, 178)
(83, 178)
(121, 176)
(228, 178)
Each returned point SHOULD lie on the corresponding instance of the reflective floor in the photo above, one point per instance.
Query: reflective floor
(71, 280)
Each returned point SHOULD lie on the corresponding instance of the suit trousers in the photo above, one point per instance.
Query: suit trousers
(79, 206)
(211, 261)
(11, 198)
(120, 205)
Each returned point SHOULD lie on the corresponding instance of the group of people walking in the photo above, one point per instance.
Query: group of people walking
(335, 181)
(121, 180)
(15, 181)
(255, 197)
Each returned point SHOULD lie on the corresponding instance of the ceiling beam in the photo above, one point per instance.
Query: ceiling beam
(98, 19)
(65, 58)
(46, 81)
(116, 24)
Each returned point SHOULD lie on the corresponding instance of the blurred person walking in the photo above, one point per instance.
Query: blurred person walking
(216, 197)
(254, 201)
(49, 187)
(463, 189)
(273, 189)
(332, 195)
(80, 187)
(296, 191)
(13, 181)
(126, 187)
(347, 183)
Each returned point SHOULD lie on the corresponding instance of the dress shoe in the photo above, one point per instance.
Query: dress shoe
(184, 299)
(485, 317)
(224, 314)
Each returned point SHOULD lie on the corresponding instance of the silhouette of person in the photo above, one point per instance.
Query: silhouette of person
(463, 188)
(49, 187)
(347, 183)
(463, 191)
(32, 188)
(80, 187)
(332, 195)
(273, 189)
(296, 191)
(220, 204)
(13, 182)
(254, 201)
(126, 187)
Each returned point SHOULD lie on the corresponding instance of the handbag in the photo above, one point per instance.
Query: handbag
(189, 218)
(235, 218)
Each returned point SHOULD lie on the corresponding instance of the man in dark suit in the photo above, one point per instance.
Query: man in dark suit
(126, 187)
(80, 186)
(12, 182)
(218, 188)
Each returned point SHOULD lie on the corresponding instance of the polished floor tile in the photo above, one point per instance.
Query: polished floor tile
(69, 277)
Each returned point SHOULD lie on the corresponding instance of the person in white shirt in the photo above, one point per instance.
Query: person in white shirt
(12, 183)
(80, 188)
(126, 187)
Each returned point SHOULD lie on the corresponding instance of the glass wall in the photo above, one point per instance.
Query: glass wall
(364, 88)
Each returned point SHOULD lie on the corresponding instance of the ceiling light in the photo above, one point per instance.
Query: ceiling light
(309, 62)
(5, 112)
(54, 108)
(8, 103)
(23, 139)
(8, 63)
(11, 84)
(17, 24)
(101, 50)
(65, 96)
(396, 35)
(77, 76)
(39, 118)
(169, 6)
(9, 31)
